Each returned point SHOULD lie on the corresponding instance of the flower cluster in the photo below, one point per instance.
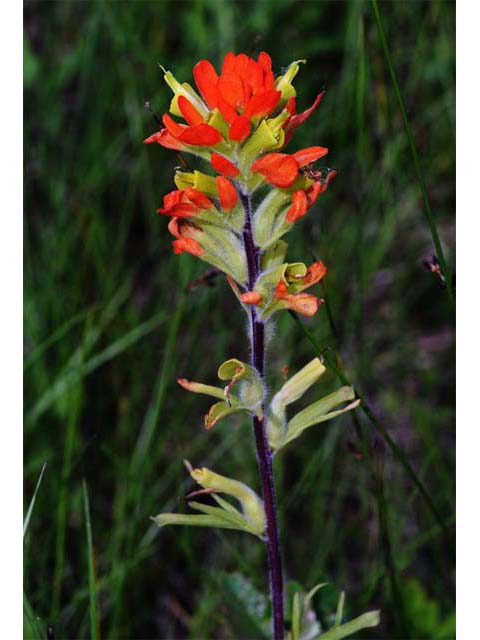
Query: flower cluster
(238, 122)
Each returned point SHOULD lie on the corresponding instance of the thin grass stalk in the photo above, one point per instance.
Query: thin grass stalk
(92, 589)
(416, 160)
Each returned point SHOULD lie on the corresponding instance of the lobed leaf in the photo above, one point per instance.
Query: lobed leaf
(366, 620)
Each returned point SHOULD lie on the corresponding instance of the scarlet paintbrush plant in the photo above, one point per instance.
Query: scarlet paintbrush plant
(234, 217)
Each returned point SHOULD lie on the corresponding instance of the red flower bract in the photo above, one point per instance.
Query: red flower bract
(281, 169)
(185, 203)
(242, 91)
(278, 169)
(223, 165)
(227, 193)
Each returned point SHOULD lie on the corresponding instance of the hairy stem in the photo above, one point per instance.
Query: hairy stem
(264, 456)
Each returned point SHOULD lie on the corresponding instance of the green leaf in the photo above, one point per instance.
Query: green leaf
(32, 628)
(303, 619)
(340, 607)
(370, 619)
(250, 606)
(313, 591)
(30, 62)
(92, 587)
(296, 613)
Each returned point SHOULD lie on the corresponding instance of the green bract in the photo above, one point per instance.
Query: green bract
(280, 431)
(244, 392)
(251, 519)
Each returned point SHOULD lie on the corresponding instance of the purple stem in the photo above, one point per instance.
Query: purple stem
(264, 456)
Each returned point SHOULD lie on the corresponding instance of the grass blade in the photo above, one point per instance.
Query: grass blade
(32, 627)
(94, 615)
(74, 374)
(416, 160)
(26, 521)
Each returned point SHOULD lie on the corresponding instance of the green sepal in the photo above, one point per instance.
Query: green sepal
(198, 180)
(276, 124)
(291, 391)
(217, 121)
(183, 89)
(262, 140)
(318, 412)
(284, 83)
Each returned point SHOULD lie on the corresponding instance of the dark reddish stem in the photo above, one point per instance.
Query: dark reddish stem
(264, 456)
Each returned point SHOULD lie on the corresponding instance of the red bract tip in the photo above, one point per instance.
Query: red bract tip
(251, 297)
(223, 165)
(297, 118)
(229, 63)
(308, 155)
(228, 112)
(202, 135)
(298, 208)
(188, 111)
(165, 138)
(231, 87)
(174, 128)
(313, 192)
(187, 245)
(303, 303)
(227, 193)
(240, 129)
(262, 104)
(315, 273)
(206, 79)
(265, 61)
(198, 198)
(278, 169)
(182, 210)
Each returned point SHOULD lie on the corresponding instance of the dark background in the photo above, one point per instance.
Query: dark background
(110, 323)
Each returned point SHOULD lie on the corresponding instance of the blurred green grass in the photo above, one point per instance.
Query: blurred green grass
(110, 324)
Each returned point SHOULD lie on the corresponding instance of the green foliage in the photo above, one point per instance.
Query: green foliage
(425, 614)
(32, 627)
(111, 321)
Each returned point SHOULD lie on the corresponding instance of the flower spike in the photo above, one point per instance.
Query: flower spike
(232, 215)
